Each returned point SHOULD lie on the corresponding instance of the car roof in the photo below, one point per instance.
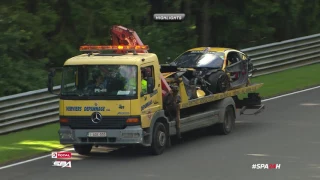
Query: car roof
(212, 49)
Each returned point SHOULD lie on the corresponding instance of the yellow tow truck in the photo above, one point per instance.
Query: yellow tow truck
(120, 95)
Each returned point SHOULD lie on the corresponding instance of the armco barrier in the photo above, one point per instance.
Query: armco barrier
(28, 109)
(275, 57)
(39, 107)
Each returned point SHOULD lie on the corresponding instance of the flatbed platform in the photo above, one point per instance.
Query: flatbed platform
(219, 96)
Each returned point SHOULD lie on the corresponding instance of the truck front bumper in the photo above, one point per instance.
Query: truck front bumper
(129, 135)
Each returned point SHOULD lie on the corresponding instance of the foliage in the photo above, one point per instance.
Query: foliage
(36, 35)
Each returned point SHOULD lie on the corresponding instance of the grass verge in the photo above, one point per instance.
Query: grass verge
(288, 81)
(35, 141)
(28, 143)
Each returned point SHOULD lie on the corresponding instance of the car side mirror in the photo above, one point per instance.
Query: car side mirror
(150, 85)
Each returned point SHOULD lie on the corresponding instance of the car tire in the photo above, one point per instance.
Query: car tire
(228, 124)
(159, 139)
(219, 82)
(82, 149)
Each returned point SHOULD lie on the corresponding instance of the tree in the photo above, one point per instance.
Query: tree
(41, 34)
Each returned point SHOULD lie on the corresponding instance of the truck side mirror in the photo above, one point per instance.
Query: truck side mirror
(150, 85)
(51, 74)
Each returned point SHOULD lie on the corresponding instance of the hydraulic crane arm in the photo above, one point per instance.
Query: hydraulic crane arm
(124, 36)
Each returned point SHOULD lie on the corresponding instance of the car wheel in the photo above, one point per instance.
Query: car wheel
(82, 149)
(228, 123)
(159, 139)
(219, 82)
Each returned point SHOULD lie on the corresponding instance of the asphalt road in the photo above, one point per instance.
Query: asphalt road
(286, 133)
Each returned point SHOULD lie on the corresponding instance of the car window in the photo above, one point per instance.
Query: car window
(198, 59)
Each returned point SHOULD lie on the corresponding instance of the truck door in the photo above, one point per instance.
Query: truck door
(150, 102)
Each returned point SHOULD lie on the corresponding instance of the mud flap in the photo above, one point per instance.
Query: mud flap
(253, 102)
(259, 108)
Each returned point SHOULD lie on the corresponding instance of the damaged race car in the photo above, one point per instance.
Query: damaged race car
(213, 70)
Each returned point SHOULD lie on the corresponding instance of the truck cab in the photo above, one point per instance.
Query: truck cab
(115, 92)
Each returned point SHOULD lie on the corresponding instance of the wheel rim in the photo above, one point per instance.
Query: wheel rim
(228, 122)
(162, 138)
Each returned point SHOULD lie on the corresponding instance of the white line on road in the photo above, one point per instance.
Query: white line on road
(42, 157)
(33, 159)
(289, 94)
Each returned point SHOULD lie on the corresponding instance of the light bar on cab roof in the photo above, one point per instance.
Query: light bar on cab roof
(102, 48)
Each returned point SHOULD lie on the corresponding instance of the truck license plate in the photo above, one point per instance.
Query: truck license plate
(97, 134)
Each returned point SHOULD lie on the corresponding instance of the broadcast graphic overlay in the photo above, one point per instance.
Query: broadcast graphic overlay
(61, 155)
(166, 17)
(266, 166)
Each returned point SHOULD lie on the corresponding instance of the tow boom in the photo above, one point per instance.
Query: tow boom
(123, 36)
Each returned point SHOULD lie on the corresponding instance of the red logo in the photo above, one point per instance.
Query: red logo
(272, 166)
(61, 155)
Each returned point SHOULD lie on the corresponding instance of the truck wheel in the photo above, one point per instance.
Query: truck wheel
(83, 149)
(228, 123)
(159, 139)
(219, 82)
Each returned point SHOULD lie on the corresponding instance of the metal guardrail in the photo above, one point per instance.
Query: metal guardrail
(26, 110)
(39, 107)
(279, 56)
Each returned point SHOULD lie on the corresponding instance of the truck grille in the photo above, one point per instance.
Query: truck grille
(84, 122)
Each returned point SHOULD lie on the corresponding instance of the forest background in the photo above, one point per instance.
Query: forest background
(39, 34)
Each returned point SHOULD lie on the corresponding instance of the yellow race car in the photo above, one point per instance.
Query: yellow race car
(215, 70)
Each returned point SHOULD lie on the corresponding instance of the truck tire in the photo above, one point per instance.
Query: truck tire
(228, 123)
(159, 138)
(219, 82)
(82, 149)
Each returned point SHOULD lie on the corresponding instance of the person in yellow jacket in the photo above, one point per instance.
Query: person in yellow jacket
(131, 79)
(144, 85)
(131, 83)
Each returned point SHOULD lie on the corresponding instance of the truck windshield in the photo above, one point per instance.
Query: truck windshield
(192, 59)
(99, 82)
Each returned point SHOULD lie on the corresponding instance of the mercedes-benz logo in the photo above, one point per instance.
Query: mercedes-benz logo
(96, 117)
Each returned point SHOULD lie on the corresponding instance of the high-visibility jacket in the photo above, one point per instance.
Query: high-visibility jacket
(131, 84)
(144, 86)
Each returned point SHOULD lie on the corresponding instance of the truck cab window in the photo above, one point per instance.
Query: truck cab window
(105, 81)
(146, 72)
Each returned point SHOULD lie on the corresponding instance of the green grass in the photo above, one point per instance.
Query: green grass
(288, 81)
(27, 143)
(44, 139)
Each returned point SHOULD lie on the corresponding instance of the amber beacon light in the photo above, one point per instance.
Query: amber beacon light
(105, 48)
